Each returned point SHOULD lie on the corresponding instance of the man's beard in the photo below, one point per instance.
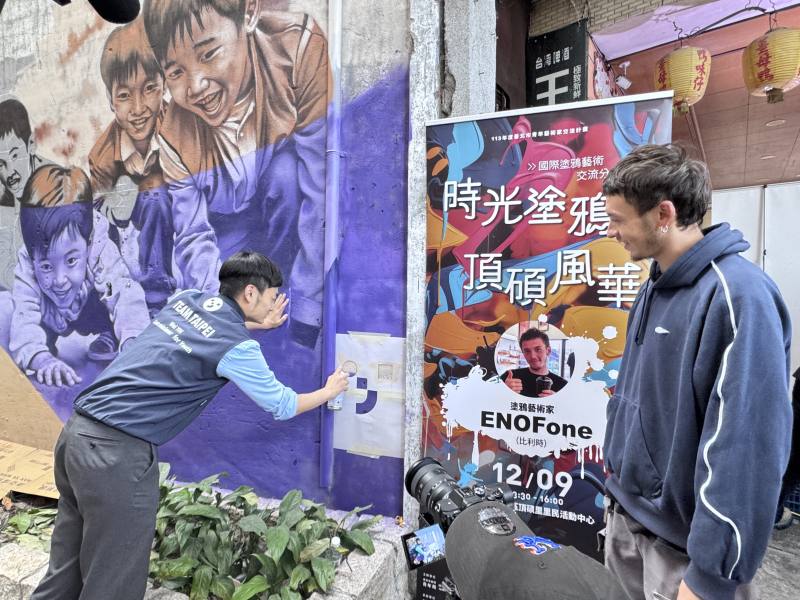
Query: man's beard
(648, 248)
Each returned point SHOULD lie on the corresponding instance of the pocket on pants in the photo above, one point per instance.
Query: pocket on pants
(96, 452)
(665, 566)
(152, 462)
(96, 438)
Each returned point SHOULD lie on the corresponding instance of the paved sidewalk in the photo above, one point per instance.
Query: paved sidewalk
(378, 577)
(779, 576)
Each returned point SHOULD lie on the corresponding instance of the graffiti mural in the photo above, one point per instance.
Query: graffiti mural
(216, 143)
(69, 278)
(133, 160)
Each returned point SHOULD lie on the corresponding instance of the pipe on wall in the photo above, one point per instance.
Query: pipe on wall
(332, 236)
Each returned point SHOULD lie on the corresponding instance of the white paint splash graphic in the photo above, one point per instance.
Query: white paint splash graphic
(610, 332)
(577, 421)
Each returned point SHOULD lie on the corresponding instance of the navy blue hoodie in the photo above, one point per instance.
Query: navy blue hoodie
(699, 425)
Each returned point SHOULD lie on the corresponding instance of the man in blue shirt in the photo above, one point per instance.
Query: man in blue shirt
(106, 459)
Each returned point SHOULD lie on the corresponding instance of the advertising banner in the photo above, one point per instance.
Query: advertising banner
(527, 301)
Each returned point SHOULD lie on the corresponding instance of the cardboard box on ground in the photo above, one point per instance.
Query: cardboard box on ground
(28, 432)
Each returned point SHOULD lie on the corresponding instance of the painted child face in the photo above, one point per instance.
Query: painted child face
(62, 270)
(15, 163)
(136, 103)
(206, 69)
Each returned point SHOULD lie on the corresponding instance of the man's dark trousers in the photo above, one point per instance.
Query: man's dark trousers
(108, 482)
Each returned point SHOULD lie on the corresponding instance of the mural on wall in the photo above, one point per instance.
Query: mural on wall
(216, 143)
(133, 160)
(527, 303)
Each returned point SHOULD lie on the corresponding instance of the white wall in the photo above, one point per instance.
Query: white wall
(781, 215)
(768, 217)
(743, 209)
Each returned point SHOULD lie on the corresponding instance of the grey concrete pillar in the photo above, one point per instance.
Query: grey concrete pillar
(424, 98)
(470, 50)
(467, 86)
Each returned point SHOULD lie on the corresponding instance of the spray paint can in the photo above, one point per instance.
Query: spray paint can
(350, 368)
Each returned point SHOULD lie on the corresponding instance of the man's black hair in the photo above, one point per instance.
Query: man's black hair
(653, 173)
(245, 268)
(534, 334)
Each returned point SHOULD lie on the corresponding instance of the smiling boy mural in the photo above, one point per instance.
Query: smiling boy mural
(18, 159)
(217, 143)
(243, 140)
(18, 156)
(69, 278)
(129, 148)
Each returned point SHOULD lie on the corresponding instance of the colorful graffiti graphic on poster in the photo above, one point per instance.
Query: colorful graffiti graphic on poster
(527, 302)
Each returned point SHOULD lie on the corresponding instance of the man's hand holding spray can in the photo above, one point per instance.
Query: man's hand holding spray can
(348, 370)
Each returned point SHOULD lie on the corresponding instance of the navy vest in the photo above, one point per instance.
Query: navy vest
(165, 377)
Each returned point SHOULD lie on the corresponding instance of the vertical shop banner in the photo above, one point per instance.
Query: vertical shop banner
(516, 240)
(556, 71)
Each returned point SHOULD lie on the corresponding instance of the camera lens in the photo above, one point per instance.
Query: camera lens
(428, 482)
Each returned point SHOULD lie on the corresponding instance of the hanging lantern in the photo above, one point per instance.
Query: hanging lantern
(685, 71)
(771, 63)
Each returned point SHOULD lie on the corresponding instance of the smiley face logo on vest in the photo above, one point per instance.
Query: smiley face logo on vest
(213, 304)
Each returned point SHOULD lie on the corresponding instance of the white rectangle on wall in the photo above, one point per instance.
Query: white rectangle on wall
(743, 209)
(781, 214)
(371, 421)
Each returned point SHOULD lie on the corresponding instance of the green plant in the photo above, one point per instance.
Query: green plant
(32, 527)
(225, 547)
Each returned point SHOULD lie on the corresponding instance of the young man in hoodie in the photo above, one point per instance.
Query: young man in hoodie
(699, 425)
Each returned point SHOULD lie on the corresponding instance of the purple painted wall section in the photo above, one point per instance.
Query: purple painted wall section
(275, 457)
(373, 209)
(373, 260)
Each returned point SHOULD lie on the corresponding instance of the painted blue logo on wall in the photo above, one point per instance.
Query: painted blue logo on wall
(535, 544)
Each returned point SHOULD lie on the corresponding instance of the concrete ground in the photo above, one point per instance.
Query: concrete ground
(779, 576)
(379, 577)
